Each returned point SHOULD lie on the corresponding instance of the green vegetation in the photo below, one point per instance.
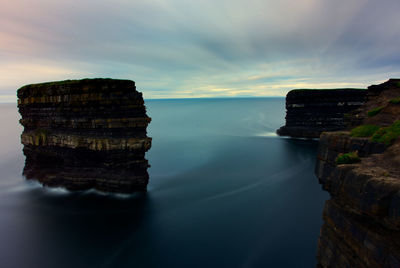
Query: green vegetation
(375, 111)
(348, 158)
(41, 131)
(324, 89)
(364, 131)
(387, 135)
(395, 101)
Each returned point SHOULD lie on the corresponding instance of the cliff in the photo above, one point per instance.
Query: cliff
(83, 134)
(360, 168)
(311, 112)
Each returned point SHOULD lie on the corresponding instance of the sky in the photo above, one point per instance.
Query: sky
(202, 48)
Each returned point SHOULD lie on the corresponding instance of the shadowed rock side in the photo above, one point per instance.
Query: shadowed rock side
(362, 219)
(83, 134)
(310, 112)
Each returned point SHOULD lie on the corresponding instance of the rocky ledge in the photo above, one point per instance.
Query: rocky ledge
(309, 112)
(360, 168)
(85, 134)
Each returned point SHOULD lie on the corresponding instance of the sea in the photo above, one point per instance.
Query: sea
(224, 191)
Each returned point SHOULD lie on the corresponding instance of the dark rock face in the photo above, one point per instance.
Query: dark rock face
(362, 219)
(310, 112)
(83, 134)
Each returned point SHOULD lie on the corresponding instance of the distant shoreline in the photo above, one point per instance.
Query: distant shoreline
(189, 99)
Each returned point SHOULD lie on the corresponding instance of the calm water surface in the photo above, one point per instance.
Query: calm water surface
(224, 191)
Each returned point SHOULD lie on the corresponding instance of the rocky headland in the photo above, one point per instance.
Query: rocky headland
(360, 168)
(309, 112)
(85, 134)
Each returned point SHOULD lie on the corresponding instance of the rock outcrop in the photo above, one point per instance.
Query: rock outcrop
(84, 134)
(362, 219)
(311, 112)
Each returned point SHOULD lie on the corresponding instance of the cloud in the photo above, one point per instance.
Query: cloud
(209, 48)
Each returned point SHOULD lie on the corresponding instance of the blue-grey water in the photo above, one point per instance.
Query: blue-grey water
(224, 191)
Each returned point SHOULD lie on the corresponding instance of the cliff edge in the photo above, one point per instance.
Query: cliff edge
(360, 168)
(83, 134)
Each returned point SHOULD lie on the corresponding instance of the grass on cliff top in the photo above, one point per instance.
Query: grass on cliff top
(324, 89)
(70, 81)
(348, 158)
(54, 83)
(387, 135)
(395, 101)
(375, 111)
(73, 81)
(364, 131)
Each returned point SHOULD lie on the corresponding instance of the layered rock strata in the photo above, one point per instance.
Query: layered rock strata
(362, 219)
(83, 134)
(310, 112)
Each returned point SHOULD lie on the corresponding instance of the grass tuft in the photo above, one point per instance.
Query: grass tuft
(387, 135)
(375, 111)
(364, 131)
(395, 101)
(348, 158)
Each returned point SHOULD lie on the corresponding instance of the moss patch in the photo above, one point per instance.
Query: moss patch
(387, 135)
(324, 89)
(348, 158)
(364, 131)
(395, 101)
(375, 111)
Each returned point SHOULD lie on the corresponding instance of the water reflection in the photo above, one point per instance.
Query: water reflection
(219, 196)
(76, 229)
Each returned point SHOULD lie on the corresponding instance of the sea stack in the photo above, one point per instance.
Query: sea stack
(85, 134)
(309, 112)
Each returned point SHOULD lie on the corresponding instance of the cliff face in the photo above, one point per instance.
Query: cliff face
(362, 219)
(310, 112)
(82, 134)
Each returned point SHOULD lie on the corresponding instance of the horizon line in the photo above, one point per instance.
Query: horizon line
(189, 98)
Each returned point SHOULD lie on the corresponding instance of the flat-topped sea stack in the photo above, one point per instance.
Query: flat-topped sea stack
(85, 134)
(309, 112)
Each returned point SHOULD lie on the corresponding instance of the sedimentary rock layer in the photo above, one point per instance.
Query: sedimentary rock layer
(82, 134)
(362, 219)
(310, 112)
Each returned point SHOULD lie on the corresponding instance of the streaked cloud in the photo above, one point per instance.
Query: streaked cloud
(204, 48)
